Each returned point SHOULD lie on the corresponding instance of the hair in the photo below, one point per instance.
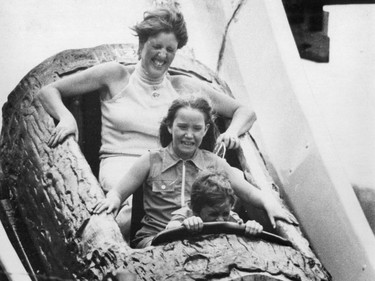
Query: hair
(195, 102)
(210, 189)
(168, 20)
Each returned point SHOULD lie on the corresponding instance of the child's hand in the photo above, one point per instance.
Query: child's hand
(173, 224)
(253, 228)
(236, 217)
(239, 220)
(193, 224)
(111, 204)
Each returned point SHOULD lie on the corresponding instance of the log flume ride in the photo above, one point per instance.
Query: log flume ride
(47, 195)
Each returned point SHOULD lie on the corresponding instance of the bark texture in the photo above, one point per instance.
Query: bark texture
(55, 190)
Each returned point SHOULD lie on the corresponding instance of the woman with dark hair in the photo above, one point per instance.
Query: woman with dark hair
(134, 99)
(167, 174)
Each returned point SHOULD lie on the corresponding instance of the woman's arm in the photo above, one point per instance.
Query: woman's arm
(129, 183)
(259, 198)
(104, 77)
(243, 117)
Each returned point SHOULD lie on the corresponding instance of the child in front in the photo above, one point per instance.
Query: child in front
(167, 174)
(212, 199)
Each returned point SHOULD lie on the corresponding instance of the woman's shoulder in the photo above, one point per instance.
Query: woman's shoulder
(211, 161)
(188, 85)
(209, 156)
(115, 77)
(182, 82)
(157, 152)
(114, 70)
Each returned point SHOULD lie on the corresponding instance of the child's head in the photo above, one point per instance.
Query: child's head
(212, 197)
(188, 125)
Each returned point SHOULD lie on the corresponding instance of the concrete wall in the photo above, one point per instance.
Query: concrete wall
(298, 144)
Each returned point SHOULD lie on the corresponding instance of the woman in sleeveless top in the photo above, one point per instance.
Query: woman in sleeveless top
(134, 99)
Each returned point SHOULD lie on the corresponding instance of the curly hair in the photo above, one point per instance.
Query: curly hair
(168, 20)
(195, 102)
(209, 189)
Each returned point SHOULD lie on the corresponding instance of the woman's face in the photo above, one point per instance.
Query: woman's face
(158, 53)
(187, 130)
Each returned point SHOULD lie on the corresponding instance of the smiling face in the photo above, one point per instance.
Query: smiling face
(158, 53)
(218, 212)
(187, 130)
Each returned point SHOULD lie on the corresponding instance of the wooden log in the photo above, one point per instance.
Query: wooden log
(55, 191)
(256, 172)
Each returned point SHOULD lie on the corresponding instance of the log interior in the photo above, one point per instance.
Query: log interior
(54, 190)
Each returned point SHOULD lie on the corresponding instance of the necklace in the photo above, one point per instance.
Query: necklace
(155, 93)
(154, 84)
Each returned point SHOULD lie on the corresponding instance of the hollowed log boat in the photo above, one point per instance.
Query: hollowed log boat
(47, 195)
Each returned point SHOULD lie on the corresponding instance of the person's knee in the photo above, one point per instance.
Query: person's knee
(123, 220)
(144, 242)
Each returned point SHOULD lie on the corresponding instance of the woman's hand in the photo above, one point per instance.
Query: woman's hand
(253, 228)
(193, 224)
(230, 140)
(111, 204)
(67, 126)
(276, 211)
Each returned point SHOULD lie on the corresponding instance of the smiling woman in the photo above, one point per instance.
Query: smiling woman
(134, 99)
(158, 53)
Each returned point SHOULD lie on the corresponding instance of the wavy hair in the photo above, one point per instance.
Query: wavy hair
(209, 189)
(168, 20)
(195, 102)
